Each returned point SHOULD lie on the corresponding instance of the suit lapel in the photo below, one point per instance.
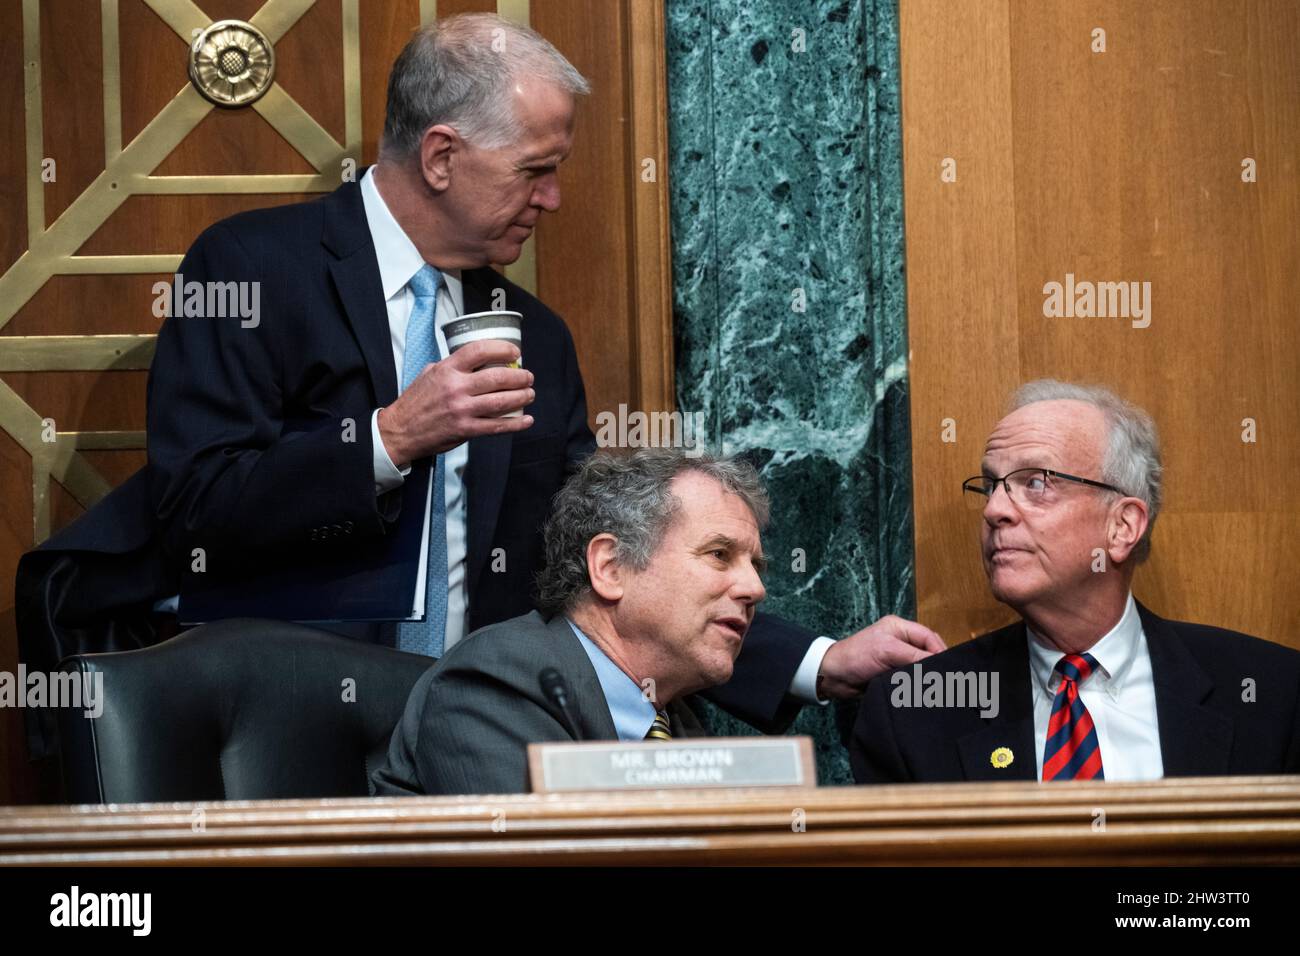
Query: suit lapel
(355, 273)
(1013, 728)
(489, 455)
(1194, 740)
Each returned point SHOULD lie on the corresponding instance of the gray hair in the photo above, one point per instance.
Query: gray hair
(458, 71)
(1131, 461)
(628, 496)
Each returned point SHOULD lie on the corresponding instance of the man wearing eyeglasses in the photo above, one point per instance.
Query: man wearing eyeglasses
(1090, 684)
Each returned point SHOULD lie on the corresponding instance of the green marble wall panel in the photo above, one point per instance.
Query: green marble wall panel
(789, 295)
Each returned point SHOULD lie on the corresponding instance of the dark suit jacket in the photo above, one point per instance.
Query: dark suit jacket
(1205, 726)
(247, 458)
(470, 719)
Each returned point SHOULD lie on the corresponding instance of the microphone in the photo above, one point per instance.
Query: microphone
(557, 692)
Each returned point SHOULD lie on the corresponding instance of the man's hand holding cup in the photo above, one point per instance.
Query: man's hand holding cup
(479, 389)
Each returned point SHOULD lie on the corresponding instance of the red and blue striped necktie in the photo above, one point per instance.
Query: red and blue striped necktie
(1072, 751)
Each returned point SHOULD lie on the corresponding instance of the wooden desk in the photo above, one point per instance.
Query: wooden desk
(1242, 820)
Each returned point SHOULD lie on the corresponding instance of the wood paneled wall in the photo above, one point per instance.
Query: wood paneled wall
(88, 85)
(1122, 165)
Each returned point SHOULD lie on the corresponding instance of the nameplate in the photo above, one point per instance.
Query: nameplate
(688, 763)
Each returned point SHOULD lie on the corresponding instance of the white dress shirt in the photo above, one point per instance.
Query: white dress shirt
(1120, 695)
(399, 261)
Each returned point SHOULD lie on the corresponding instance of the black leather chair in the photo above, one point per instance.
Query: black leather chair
(236, 710)
(90, 589)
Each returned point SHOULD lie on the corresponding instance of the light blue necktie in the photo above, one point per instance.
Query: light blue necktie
(427, 636)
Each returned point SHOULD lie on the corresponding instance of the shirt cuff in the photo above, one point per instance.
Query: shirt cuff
(804, 685)
(387, 475)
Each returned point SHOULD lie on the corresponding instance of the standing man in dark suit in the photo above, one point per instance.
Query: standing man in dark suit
(1089, 685)
(653, 573)
(299, 435)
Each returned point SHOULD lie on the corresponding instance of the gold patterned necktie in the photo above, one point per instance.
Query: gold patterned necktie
(659, 730)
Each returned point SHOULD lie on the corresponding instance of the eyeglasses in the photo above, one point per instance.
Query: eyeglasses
(1027, 487)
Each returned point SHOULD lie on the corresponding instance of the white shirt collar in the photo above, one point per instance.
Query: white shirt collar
(399, 260)
(1114, 653)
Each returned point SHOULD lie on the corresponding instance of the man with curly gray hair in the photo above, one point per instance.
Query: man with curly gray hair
(653, 574)
(1095, 685)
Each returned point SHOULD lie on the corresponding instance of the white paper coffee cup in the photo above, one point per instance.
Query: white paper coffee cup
(480, 326)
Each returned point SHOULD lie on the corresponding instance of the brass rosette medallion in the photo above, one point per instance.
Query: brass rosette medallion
(231, 63)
